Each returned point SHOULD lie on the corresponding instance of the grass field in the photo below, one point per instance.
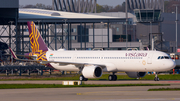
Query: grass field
(76, 77)
(165, 89)
(23, 86)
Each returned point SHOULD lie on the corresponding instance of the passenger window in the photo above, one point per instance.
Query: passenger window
(159, 57)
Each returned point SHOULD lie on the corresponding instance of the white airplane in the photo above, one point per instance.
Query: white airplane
(92, 64)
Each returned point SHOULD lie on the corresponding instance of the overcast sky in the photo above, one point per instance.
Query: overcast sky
(49, 2)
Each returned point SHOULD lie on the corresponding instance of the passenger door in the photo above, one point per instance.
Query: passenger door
(149, 60)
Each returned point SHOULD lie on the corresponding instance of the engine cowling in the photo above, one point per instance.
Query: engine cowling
(92, 71)
(136, 74)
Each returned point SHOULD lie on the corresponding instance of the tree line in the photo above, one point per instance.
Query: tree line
(99, 8)
(38, 5)
(168, 7)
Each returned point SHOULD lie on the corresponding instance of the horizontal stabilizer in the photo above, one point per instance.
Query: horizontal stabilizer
(20, 55)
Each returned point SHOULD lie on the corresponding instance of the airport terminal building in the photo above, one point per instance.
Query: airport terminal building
(82, 31)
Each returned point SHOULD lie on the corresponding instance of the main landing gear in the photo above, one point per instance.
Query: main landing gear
(82, 78)
(156, 77)
(112, 77)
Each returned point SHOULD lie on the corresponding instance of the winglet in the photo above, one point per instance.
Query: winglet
(12, 52)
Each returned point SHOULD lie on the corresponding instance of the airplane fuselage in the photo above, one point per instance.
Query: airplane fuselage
(128, 61)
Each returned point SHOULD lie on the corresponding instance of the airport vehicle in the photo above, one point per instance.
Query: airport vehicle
(92, 64)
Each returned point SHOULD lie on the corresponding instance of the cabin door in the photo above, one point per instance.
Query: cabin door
(102, 58)
(75, 58)
(149, 60)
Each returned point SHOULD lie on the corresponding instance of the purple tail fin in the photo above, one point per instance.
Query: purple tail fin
(37, 43)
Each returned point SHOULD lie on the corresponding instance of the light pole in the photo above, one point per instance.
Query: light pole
(176, 26)
(176, 21)
(126, 23)
(152, 45)
(102, 35)
(65, 29)
(39, 27)
(11, 39)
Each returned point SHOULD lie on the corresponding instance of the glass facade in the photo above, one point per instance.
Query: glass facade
(148, 15)
(121, 38)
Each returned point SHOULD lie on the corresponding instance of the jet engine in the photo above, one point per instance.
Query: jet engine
(92, 71)
(136, 74)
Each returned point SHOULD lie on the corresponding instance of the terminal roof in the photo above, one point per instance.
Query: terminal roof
(51, 16)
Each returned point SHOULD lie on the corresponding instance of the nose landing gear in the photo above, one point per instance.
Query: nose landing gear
(156, 77)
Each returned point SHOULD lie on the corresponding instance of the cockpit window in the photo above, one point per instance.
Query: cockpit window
(166, 57)
(162, 57)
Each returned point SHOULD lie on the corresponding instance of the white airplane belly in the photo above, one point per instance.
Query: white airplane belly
(132, 65)
(64, 67)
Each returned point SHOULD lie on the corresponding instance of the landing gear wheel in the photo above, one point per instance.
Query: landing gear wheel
(82, 78)
(115, 78)
(156, 79)
(85, 79)
(111, 77)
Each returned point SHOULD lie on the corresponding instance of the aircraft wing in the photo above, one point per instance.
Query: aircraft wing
(60, 62)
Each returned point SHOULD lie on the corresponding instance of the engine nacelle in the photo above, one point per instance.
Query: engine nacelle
(136, 74)
(92, 72)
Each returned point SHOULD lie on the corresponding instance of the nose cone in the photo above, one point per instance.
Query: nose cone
(170, 65)
(174, 64)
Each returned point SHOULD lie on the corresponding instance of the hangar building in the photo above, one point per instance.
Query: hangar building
(62, 29)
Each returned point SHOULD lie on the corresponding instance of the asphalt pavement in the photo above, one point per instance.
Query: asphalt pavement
(133, 93)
